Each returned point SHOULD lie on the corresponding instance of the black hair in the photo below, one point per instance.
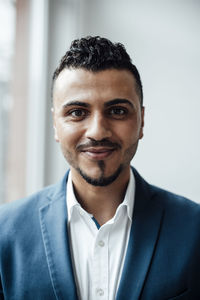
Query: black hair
(98, 54)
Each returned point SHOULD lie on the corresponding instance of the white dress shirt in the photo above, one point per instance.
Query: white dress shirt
(98, 254)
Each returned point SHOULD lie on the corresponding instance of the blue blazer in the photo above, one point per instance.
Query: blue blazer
(162, 260)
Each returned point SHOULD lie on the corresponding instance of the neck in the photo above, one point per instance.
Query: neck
(100, 201)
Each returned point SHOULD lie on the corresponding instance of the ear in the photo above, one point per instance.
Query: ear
(54, 126)
(142, 122)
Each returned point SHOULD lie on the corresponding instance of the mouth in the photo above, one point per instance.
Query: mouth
(98, 153)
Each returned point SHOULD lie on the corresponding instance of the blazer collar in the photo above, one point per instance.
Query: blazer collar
(147, 219)
(53, 221)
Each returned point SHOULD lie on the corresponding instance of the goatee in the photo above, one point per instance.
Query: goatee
(101, 181)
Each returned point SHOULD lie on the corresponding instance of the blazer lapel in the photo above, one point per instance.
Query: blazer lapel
(147, 219)
(53, 221)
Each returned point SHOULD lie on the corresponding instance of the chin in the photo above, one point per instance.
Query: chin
(102, 179)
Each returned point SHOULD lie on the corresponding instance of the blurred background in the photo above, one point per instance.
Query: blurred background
(163, 39)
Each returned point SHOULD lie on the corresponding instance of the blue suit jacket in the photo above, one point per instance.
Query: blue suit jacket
(162, 260)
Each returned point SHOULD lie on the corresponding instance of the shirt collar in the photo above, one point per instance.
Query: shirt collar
(129, 198)
(71, 198)
(128, 201)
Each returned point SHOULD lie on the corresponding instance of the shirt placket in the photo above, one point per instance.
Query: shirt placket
(101, 264)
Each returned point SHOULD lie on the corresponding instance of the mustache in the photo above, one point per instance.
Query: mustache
(94, 143)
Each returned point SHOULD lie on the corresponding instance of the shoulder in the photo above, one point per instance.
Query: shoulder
(20, 214)
(174, 205)
(21, 210)
(20, 205)
(180, 215)
(172, 201)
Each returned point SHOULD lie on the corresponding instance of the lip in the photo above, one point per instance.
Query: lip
(98, 153)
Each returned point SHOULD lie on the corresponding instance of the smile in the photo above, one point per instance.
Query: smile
(98, 153)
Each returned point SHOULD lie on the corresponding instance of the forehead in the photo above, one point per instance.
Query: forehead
(80, 84)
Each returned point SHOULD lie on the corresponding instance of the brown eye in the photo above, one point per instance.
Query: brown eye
(77, 114)
(118, 111)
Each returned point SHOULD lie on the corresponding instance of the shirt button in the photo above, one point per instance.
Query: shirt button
(101, 243)
(100, 292)
(81, 212)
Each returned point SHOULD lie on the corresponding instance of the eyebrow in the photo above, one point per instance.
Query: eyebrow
(107, 104)
(75, 103)
(118, 101)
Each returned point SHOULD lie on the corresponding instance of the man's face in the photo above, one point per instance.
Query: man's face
(98, 122)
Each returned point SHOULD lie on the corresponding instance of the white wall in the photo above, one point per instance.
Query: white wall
(162, 38)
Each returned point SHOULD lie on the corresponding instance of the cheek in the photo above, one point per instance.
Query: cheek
(68, 135)
(129, 133)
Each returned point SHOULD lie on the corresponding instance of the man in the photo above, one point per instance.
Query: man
(103, 232)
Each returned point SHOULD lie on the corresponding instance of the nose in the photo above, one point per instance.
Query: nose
(98, 128)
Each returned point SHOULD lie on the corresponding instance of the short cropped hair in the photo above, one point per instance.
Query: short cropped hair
(98, 54)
